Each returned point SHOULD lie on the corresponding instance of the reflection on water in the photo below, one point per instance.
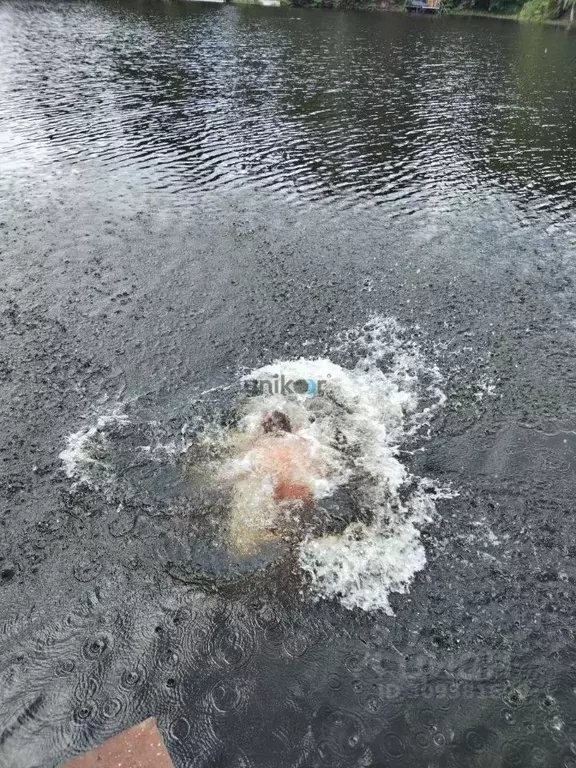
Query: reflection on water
(361, 108)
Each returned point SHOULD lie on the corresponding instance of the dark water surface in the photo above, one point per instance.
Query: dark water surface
(191, 190)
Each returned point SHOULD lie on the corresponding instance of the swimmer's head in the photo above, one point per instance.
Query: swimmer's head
(276, 421)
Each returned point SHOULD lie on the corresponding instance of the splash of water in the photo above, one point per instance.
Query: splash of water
(378, 394)
(367, 410)
(85, 449)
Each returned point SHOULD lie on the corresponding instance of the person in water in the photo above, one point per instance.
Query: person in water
(288, 461)
(274, 486)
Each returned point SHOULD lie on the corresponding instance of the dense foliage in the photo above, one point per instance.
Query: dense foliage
(528, 10)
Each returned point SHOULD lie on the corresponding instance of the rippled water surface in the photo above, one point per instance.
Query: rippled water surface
(363, 109)
(191, 194)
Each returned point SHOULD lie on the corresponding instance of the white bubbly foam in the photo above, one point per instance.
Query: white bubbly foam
(384, 393)
(80, 456)
(366, 412)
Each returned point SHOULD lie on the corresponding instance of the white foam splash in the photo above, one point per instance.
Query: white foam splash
(357, 425)
(379, 394)
(80, 456)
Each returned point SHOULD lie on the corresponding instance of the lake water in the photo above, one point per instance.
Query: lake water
(193, 196)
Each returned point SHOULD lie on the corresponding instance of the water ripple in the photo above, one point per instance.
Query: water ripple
(197, 99)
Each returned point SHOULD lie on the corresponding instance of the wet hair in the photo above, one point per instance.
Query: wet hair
(276, 421)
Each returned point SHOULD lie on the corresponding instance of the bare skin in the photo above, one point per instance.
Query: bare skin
(279, 474)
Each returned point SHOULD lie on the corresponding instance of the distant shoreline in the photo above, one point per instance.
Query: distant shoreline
(562, 22)
(397, 8)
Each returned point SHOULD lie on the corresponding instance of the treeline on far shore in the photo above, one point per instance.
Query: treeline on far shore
(526, 10)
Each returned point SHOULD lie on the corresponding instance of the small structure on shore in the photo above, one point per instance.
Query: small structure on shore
(424, 6)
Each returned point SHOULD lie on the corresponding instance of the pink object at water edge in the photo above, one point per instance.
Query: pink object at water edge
(139, 747)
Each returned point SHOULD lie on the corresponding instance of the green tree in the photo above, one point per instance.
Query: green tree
(569, 4)
(539, 10)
